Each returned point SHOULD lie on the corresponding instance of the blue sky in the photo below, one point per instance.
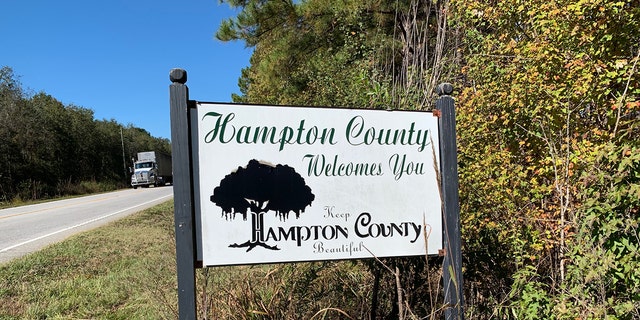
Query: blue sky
(114, 57)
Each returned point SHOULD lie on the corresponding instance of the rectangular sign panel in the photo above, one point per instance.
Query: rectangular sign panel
(285, 184)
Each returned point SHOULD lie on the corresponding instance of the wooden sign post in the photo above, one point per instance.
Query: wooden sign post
(452, 266)
(182, 194)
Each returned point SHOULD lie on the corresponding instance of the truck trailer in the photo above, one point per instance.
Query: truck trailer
(152, 169)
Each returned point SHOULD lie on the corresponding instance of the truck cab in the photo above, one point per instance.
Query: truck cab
(145, 173)
(151, 169)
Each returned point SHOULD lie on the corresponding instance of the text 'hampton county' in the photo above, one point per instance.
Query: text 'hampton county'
(227, 129)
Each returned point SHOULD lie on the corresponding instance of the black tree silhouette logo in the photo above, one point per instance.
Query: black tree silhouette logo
(260, 188)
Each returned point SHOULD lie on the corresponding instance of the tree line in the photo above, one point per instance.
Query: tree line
(548, 106)
(51, 149)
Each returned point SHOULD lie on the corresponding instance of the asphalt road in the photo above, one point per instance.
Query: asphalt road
(30, 228)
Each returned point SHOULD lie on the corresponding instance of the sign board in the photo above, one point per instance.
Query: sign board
(285, 184)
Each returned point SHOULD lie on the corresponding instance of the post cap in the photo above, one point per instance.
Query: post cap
(178, 75)
(444, 89)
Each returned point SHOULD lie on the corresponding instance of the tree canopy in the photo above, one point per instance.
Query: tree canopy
(374, 54)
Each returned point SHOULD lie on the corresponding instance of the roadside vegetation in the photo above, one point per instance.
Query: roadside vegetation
(548, 122)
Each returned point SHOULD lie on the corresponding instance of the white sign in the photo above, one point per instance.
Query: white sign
(285, 184)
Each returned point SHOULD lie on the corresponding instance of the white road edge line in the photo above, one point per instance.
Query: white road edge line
(80, 225)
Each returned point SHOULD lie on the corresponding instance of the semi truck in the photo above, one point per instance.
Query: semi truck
(151, 169)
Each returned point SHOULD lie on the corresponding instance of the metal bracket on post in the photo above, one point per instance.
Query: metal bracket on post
(182, 194)
(452, 264)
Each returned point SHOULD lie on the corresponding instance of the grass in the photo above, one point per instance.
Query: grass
(126, 270)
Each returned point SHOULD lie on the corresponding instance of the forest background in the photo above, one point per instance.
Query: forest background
(548, 108)
(49, 149)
